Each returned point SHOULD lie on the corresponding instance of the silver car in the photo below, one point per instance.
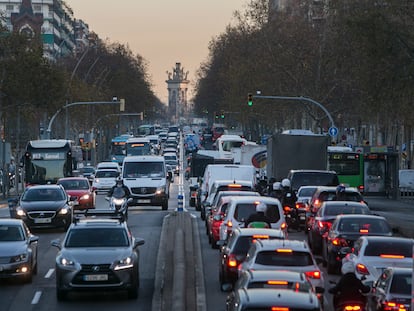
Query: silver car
(97, 254)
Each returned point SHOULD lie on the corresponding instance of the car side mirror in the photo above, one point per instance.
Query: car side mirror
(56, 243)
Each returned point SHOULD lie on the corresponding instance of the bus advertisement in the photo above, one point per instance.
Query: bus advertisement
(348, 165)
(118, 148)
(45, 161)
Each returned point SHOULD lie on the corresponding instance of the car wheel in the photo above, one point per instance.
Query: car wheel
(133, 292)
(61, 295)
(164, 206)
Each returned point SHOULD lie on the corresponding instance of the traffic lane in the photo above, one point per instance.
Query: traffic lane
(144, 222)
(216, 299)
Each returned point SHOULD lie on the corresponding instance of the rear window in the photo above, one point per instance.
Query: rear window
(393, 248)
(106, 174)
(287, 259)
(401, 284)
(244, 210)
(349, 196)
(336, 210)
(306, 192)
(244, 242)
(364, 226)
(299, 179)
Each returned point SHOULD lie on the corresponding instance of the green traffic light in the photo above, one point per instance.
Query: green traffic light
(250, 100)
(222, 116)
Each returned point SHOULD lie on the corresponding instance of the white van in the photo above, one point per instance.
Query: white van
(225, 143)
(147, 179)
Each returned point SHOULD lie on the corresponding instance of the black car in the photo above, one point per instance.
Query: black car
(97, 254)
(45, 206)
(322, 221)
(345, 230)
(18, 250)
(392, 290)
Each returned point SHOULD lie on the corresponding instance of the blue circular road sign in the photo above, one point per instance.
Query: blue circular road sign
(333, 131)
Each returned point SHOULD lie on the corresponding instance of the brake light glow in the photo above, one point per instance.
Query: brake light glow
(260, 236)
(324, 225)
(272, 282)
(284, 250)
(234, 186)
(339, 242)
(392, 256)
(280, 309)
(316, 274)
(362, 269)
(352, 308)
(362, 231)
(283, 226)
(229, 223)
(317, 203)
(391, 306)
(232, 261)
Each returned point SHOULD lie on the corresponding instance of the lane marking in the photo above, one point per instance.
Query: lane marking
(36, 297)
(49, 273)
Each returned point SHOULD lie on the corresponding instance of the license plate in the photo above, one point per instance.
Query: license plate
(95, 277)
(302, 217)
(144, 201)
(43, 220)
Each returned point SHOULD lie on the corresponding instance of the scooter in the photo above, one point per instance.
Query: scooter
(119, 205)
(291, 216)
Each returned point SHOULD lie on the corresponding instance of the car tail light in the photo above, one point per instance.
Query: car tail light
(361, 188)
(234, 186)
(229, 223)
(280, 309)
(352, 308)
(339, 242)
(363, 231)
(284, 250)
(316, 274)
(317, 203)
(362, 269)
(232, 261)
(283, 226)
(393, 306)
(392, 256)
(260, 236)
(275, 282)
(286, 209)
(324, 225)
(300, 205)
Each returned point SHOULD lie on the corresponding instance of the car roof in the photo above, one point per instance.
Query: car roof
(252, 199)
(170, 154)
(274, 297)
(230, 182)
(258, 275)
(312, 171)
(385, 238)
(10, 221)
(343, 203)
(259, 231)
(144, 158)
(73, 178)
(333, 189)
(296, 245)
(351, 216)
(48, 186)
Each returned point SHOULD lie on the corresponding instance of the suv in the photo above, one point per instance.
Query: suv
(300, 178)
(97, 253)
(147, 179)
(240, 208)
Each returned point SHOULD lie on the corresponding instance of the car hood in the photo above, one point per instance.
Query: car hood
(147, 182)
(96, 255)
(12, 248)
(42, 205)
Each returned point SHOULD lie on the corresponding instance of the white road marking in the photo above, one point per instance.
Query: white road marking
(36, 297)
(49, 273)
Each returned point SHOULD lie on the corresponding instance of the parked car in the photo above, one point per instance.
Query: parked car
(45, 206)
(392, 290)
(18, 249)
(371, 255)
(97, 254)
(79, 189)
(322, 221)
(345, 230)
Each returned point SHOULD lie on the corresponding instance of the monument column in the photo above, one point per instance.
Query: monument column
(177, 93)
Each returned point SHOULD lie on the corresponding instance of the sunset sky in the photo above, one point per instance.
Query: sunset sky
(162, 31)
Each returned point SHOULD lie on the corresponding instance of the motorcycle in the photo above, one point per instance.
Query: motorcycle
(354, 304)
(119, 203)
(291, 217)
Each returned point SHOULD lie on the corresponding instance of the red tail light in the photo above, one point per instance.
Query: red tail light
(280, 309)
(229, 223)
(232, 261)
(325, 225)
(339, 242)
(316, 274)
(352, 308)
(362, 269)
(393, 306)
(361, 188)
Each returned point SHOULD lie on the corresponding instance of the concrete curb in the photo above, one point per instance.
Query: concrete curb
(179, 279)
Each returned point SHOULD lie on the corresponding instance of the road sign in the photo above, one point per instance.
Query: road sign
(333, 131)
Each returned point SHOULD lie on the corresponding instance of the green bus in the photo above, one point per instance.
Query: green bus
(348, 165)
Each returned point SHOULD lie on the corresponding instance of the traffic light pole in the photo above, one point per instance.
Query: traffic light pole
(300, 98)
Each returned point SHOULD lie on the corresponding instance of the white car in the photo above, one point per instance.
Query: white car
(104, 180)
(371, 255)
(305, 194)
(241, 207)
(291, 255)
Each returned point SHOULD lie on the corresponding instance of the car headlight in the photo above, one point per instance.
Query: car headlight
(64, 211)
(84, 197)
(160, 190)
(63, 261)
(20, 212)
(125, 263)
(20, 258)
(96, 180)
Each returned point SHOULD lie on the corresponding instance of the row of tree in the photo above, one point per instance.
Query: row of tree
(357, 61)
(32, 88)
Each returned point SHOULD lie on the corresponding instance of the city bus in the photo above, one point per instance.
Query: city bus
(145, 130)
(138, 146)
(118, 148)
(348, 165)
(45, 161)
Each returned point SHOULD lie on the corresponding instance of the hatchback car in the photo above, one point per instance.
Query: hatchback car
(271, 299)
(371, 255)
(18, 249)
(322, 222)
(172, 159)
(43, 206)
(240, 208)
(104, 180)
(79, 189)
(392, 290)
(293, 255)
(345, 230)
(234, 252)
(97, 254)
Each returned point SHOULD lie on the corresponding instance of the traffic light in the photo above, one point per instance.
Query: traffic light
(216, 115)
(222, 115)
(250, 100)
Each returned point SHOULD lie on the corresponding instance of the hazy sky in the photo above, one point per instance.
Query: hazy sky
(162, 31)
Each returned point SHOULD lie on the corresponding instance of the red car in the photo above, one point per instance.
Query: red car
(79, 188)
(214, 221)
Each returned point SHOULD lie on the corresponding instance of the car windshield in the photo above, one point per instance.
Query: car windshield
(97, 237)
(144, 169)
(364, 226)
(43, 195)
(79, 184)
(10, 233)
(389, 248)
(286, 259)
